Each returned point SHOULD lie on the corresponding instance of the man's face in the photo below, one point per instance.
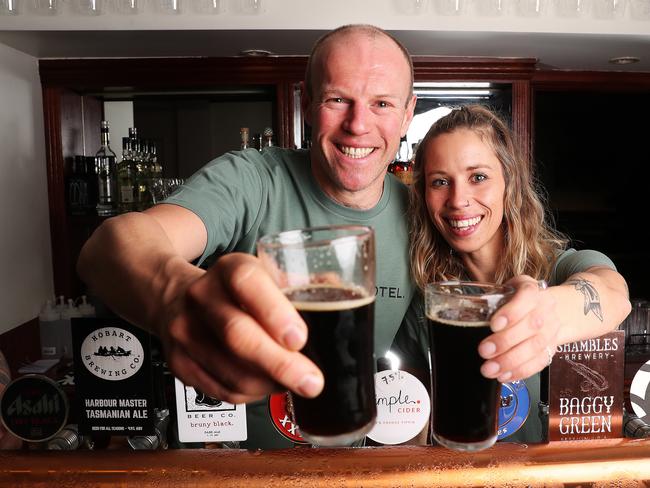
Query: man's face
(361, 106)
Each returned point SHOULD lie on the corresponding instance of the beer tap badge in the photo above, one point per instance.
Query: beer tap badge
(112, 353)
(640, 393)
(403, 407)
(33, 408)
(114, 387)
(514, 408)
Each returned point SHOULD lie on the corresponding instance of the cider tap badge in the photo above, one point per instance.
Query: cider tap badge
(403, 407)
(113, 377)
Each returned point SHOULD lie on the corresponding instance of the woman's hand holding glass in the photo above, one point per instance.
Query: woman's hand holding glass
(524, 333)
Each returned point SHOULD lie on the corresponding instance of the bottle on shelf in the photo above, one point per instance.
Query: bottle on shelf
(243, 134)
(156, 165)
(78, 187)
(106, 171)
(402, 167)
(126, 179)
(268, 137)
(143, 196)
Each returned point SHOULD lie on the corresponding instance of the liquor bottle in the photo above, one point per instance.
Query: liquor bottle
(156, 165)
(105, 169)
(126, 179)
(143, 196)
(268, 137)
(78, 187)
(402, 167)
(243, 133)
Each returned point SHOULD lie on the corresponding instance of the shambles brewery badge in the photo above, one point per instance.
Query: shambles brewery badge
(586, 389)
(514, 408)
(282, 417)
(202, 418)
(640, 393)
(403, 407)
(33, 408)
(113, 377)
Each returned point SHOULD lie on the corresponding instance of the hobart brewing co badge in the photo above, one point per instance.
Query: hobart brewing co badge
(640, 393)
(33, 408)
(282, 419)
(113, 377)
(514, 408)
(112, 353)
(403, 407)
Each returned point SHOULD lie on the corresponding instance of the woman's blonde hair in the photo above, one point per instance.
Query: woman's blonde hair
(531, 243)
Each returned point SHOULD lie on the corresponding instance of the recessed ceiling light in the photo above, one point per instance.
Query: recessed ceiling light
(255, 53)
(624, 60)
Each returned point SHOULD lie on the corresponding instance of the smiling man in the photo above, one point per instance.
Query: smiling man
(225, 327)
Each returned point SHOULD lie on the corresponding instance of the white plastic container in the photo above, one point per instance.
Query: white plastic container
(52, 330)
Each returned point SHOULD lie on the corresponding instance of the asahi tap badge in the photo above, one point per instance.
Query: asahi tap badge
(33, 408)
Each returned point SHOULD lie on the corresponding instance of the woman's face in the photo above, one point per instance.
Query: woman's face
(464, 192)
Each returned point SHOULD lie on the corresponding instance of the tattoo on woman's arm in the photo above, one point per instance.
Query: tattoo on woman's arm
(592, 299)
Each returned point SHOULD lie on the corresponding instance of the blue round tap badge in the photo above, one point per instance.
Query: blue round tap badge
(514, 408)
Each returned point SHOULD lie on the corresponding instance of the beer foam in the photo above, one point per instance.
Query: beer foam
(459, 323)
(329, 305)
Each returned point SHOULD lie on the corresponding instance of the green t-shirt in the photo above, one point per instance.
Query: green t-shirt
(411, 343)
(244, 195)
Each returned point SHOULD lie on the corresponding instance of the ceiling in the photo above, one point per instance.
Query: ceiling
(559, 36)
(563, 51)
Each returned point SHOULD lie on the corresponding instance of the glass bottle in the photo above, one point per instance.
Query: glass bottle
(143, 197)
(156, 166)
(126, 179)
(268, 137)
(78, 187)
(243, 133)
(105, 168)
(402, 167)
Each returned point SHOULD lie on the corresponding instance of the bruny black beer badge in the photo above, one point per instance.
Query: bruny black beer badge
(114, 392)
(33, 408)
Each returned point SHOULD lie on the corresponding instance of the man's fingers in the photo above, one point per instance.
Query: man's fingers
(193, 374)
(249, 284)
(243, 337)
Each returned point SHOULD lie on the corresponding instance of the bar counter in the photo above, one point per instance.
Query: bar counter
(612, 462)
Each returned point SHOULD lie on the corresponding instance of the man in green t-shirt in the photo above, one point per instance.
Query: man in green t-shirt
(228, 330)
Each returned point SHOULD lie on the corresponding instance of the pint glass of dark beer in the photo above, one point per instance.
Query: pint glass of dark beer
(464, 403)
(328, 273)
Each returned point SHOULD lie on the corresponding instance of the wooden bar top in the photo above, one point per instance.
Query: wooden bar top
(612, 462)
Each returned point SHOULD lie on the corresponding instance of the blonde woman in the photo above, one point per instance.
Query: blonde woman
(477, 215)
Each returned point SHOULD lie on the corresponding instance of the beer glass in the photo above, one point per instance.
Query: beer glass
(464, 403)
(328, 273)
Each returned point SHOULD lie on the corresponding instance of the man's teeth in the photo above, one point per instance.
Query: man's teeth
(464, 224)
(356, 152)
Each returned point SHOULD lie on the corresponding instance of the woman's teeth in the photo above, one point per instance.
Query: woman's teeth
(464, 224)
(356, 152)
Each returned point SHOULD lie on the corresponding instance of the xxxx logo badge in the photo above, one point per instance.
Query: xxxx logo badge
(282, 419)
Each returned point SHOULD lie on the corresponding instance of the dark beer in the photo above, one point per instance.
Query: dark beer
(340, 342)
(464, 401)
